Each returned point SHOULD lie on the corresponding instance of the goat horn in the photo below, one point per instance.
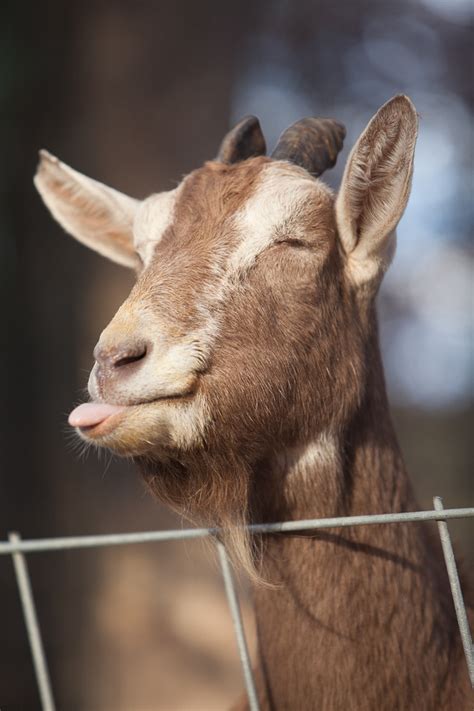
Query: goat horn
(312, 143)
(244, 141)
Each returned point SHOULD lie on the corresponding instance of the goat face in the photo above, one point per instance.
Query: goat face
(244, 329)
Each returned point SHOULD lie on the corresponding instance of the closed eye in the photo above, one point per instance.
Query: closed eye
(293, 242)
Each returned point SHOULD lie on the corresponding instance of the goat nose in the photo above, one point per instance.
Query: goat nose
(114, 357)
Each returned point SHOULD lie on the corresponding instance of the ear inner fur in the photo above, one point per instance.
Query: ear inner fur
(96, 215)
(375, 189)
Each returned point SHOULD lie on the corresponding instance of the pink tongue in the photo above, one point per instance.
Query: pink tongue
(92, 413)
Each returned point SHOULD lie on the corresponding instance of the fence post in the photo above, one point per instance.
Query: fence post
(456, 590)
(32, 627)
(234, 606)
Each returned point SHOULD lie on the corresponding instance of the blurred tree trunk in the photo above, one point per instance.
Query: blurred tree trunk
(35, 63)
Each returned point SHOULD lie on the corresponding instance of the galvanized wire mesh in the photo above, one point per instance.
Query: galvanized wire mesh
(17, 548)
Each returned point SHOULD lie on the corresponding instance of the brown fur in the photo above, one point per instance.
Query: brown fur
(360, 620)
(213, 482)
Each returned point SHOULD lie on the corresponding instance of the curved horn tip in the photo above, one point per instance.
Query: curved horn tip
(244, 141)
(312, 143)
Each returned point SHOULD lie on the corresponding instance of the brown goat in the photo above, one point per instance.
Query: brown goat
(243, 375)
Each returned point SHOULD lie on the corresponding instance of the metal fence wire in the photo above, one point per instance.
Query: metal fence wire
(17, 547)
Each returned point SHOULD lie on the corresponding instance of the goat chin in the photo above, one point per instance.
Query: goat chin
(142, 429)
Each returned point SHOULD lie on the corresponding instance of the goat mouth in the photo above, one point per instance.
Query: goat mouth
(96, 419)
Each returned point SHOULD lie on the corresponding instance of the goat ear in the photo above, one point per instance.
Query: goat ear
(375, 189)
(96, 215)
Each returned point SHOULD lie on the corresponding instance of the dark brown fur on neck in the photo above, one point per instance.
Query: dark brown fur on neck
(366, 611)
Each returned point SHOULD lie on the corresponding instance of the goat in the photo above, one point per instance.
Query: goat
(243, 375)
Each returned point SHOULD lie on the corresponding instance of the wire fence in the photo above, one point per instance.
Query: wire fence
(17, 547)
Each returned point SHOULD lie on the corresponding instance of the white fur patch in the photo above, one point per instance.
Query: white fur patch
(153, 218)
(305, 460)
(187, 424)
(276, 209)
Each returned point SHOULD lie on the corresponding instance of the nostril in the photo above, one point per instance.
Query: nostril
(112, 357)
(128, 358)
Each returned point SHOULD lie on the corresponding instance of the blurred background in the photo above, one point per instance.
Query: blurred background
(136, 95)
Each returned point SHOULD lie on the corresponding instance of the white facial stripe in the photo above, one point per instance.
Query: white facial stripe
(153, 218)
(277, 207)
